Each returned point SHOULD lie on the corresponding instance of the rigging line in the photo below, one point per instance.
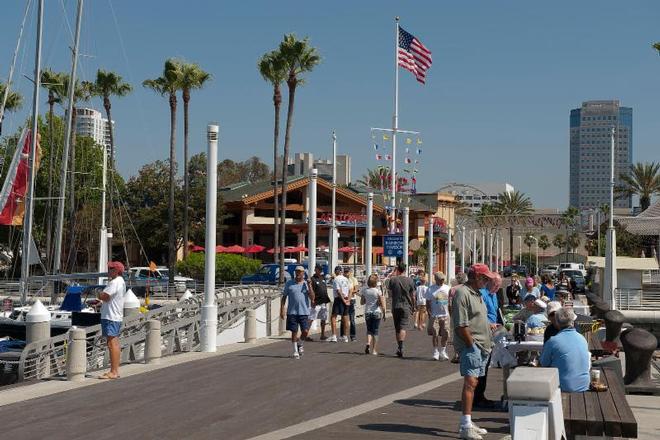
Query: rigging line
(123, 239)
(13, 61)
(128, 215)
(66, 21)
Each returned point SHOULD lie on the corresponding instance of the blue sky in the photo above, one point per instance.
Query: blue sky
(495, 106)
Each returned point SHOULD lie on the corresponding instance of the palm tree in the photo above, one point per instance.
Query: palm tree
(298, 57)
(513, 204)
(573, 241)
(272, 69)
(643, 181)
(14, 101)
(529, 241)
(544, 242)
(54, 83)
(110, 84)
(167, 85)
(192, 77)
(656, 46)
(377, 178)
(559, 241)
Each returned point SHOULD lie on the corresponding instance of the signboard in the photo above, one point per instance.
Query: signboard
(343, 219)
(393, 245)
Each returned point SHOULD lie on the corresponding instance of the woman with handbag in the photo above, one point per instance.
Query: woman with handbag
(374, 310)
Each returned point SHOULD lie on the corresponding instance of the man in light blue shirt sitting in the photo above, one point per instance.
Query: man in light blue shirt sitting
(568, 352)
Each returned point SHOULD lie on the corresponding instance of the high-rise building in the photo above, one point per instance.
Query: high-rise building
(590, 150)
(91, 123)
(304, 162)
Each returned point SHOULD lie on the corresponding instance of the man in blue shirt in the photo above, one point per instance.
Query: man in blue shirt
(568, 352)
(301, 296)
(489, 295)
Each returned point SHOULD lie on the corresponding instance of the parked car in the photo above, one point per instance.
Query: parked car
(573, 266)
(157, 279)
(507, 271)
(550, 270)
(578, 281)
(520, 270)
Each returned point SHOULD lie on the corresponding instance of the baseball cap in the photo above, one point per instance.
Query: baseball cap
(553, 306)
(117, 266)
(482, 269)
(440, 276)
(529, 297)
(338, 269)
(299, 269)
(540, 303)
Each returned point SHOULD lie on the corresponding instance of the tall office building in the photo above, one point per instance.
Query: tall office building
(91, 123)
(590, 149)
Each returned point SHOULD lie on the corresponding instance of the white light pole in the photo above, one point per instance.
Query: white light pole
(430, 251)
(209, 324)
(475, 254)
(536, 241)
(502, 247)
(406, 236)
(313, 179)
(451, 267)
(520, 250)
(369, 234)
(463, 248)
(332, 242)
(483, 246)
(609, 288)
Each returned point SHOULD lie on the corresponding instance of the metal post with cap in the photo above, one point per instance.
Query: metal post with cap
(313, 180)
(369, 233)
(406, 236)
(209, 323)
(610, 284)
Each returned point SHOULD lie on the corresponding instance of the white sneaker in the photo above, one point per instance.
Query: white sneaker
(345, 338)
(443, 355)
(436, 354)
(296, 355)
(332, 338)
(470, 433)
(480, 431)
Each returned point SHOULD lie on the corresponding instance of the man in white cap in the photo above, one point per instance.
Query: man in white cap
(551, 330)
(112, 315)
(301, 296)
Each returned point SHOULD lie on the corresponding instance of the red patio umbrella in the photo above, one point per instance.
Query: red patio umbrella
(287, 250)
(299, 248)
(195, 248)
(220, 249)
(235, 249)
(347, 249)
(254, 249)
(378, 250)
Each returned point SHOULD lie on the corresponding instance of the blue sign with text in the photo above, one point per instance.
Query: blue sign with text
(393, 245)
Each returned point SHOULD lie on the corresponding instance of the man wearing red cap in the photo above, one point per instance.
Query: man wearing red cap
(472, 339)
(112, 315)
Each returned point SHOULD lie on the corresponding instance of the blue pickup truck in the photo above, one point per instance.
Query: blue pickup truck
(269, 273)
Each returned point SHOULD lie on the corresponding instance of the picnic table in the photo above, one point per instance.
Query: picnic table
(599, 413)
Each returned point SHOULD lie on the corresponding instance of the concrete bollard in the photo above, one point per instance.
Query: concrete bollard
(76, 355)
(131, 304)
(250, 326)
(37, 322)
(152, 344)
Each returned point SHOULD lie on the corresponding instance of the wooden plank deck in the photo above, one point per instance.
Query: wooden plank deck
(260, 390)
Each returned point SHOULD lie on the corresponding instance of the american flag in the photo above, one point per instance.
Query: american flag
(413, 55)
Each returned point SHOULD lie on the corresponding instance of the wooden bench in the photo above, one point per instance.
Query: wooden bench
(597, 414)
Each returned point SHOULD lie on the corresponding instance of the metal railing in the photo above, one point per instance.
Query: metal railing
(638, 299)
(651, 277)
(180, 332)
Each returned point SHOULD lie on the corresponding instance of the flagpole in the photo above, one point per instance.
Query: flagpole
(395, 123)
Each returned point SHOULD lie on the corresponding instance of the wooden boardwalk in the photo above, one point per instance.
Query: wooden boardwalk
(334, 391)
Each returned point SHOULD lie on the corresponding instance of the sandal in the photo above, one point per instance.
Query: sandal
(108, 376)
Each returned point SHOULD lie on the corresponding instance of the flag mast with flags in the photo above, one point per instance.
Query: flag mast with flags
(412, 55)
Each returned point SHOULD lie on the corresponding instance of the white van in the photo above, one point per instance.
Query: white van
(573, 266)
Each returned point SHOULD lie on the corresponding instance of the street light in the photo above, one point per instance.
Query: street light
(536, 240)
(519, 250)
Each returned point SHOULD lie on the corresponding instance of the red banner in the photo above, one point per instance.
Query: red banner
(12, 196)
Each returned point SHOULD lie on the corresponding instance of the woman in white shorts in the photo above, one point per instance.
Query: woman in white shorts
(420, 313)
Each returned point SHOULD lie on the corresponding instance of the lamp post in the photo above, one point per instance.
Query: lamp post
(313, 180)
(430, 250)
(610, 283)
(463, 248)
(519, 250)
(333, 224)
(406, 236)
(369, 238)
(536, 240)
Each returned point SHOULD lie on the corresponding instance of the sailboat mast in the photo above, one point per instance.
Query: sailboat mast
(29, 202)
(57, 254)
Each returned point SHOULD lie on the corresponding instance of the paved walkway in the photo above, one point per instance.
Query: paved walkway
(334, 391)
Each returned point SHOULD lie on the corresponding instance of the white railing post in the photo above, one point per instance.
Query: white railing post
(152, 343)
(76, 355)
(250, 326)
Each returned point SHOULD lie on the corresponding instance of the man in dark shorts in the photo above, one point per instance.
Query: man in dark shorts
(341, 288)
(300, 295)
(321, 298)
(402, 292)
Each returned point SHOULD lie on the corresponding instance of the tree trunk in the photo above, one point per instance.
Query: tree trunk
(186, 195)
(49, 204)
(111, 167)
(287, 139)
(171, 254)
(277, 101)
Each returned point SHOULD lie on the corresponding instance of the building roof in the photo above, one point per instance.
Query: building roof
(651, 211)
(626, 263)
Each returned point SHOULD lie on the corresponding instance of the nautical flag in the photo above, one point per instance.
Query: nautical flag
(407, 150)
(388, 157)
(408, 141)
(419, 151)
(407, 160)
(386, 137)
(379, 157)
(419, 142)
(413, 55)
(375, 147)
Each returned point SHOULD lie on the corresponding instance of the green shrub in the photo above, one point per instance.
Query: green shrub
(228, 267)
